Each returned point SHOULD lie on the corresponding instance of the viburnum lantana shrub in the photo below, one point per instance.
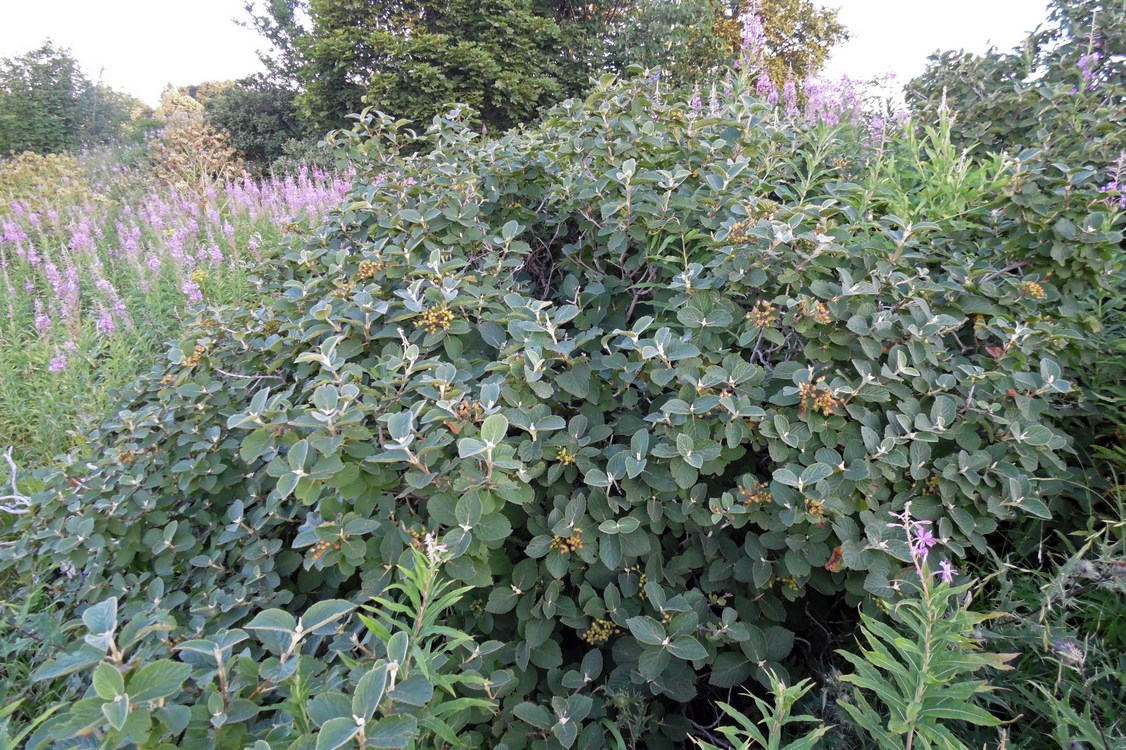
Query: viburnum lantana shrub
(654, 378)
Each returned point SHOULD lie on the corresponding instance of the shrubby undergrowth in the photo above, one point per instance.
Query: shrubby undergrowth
(648, 381)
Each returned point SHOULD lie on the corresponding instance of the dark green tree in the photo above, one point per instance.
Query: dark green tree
(41, 96)
(260, 116)
(678, 38)
(508, 59)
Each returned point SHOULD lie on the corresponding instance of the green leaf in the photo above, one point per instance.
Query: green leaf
(815, 473)
(530, 713)
(174, 716)
(108, 682)
(566, 733)
(256, 444)
(494, 429)
(159, 679)
(101, 617)
(1037, 435)
(324, 613)
(298, 453)
(647, 630)
(962, 711)
(468, 510)
(469, 447)
(337, 733)
(416, 690)
(84, 657)
(730, 669)
(117, 711)
(392, 732)
(652, 663)
(493, 528)
(688, 648)
(273, 620)
(369, 692)
(287, 483)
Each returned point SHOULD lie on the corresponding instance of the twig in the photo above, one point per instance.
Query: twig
(1006, 269)
(16, 503)
(246, 377)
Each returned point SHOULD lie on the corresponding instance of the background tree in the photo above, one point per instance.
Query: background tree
(1012, 100)
(799, 34)
(259, 116)
(48, 105)
(511, 58)
(176, 101)
(687, 39)
(506, 58)
(678, 38)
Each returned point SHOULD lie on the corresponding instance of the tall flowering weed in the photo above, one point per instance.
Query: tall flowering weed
(102, 258)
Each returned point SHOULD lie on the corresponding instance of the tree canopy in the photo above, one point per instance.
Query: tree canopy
(510, 59)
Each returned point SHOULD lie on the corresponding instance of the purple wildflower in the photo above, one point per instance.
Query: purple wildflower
(753, 45)
(947, 571)
(191, 289)
(919, 537)
(790, 96)
(923, 539)
(106, 324)
(58, 362)
(1086, 64)
(42, 320)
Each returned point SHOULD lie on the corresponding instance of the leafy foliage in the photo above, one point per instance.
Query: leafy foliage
(775, 719)
(405, 689)
(191, 155)
(506, 58)
(510, 59)
(655, 376)
(1060, 95)
(919, 675)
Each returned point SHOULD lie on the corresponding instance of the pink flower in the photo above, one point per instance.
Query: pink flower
(192, 290)
(947, 571)
(923, 539)
(58, 362)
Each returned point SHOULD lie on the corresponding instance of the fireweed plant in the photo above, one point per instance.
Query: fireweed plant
(99, 264)
(919, 672)
(916, 677)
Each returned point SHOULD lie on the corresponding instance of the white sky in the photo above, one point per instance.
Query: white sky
(141, 45)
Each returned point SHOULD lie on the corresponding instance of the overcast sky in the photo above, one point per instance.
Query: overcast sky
(138, 46)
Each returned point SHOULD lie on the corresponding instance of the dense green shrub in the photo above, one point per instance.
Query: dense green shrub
(656, 378)
(259, 117)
